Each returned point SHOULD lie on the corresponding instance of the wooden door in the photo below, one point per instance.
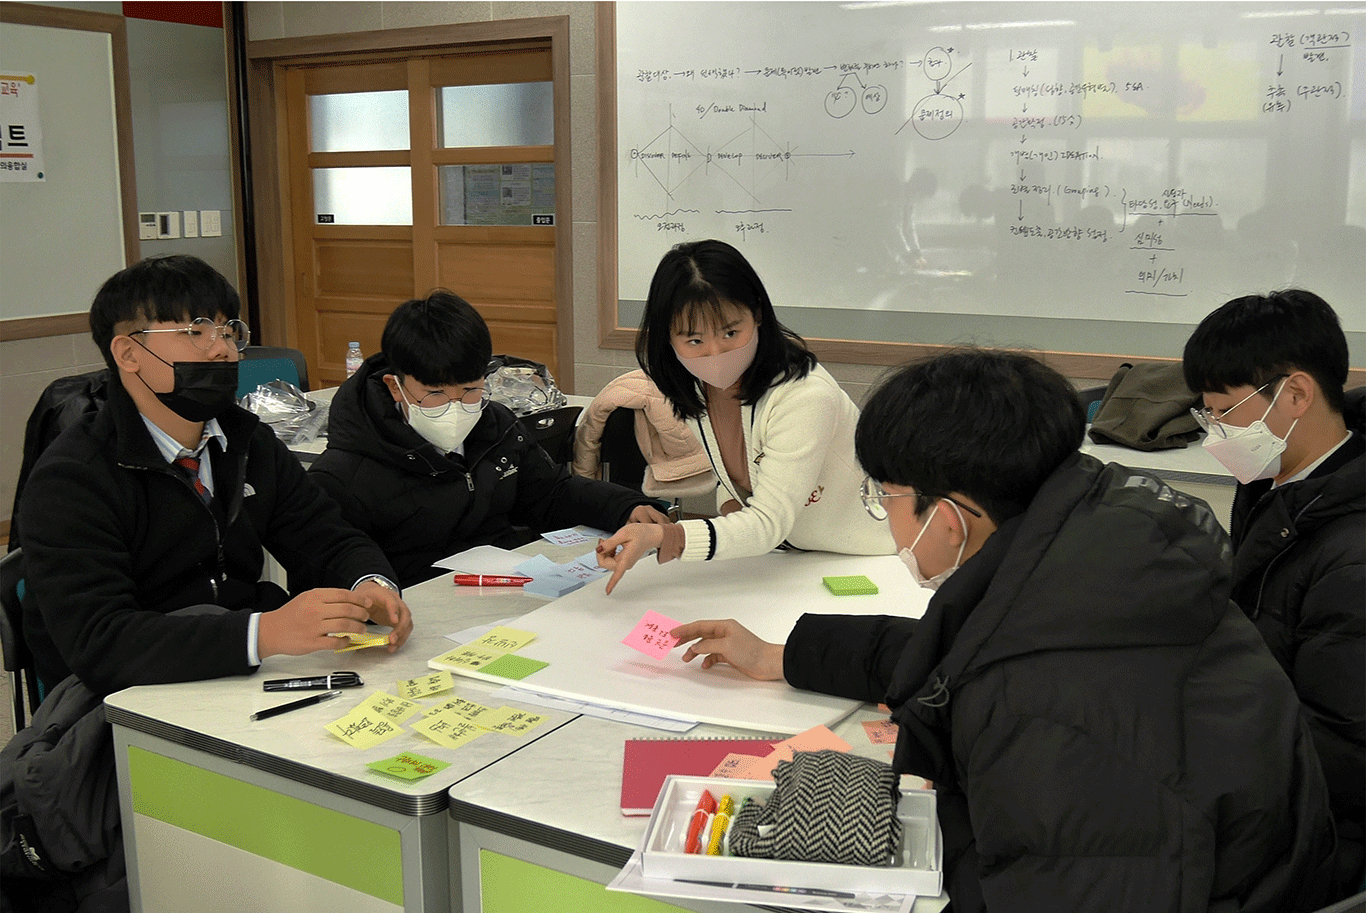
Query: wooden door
(401, 180)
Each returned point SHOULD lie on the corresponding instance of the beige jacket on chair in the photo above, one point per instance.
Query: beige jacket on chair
(668, 445)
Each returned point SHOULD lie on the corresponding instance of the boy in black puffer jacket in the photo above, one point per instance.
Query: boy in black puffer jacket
(1272, 370)
(1105, 729)
(421, 461)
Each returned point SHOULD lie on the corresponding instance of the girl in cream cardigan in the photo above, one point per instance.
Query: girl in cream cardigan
(777, 428)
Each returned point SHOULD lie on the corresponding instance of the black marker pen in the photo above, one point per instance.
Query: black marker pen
(315, 683)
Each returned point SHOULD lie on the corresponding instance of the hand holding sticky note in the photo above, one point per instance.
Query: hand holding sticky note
(651, 635)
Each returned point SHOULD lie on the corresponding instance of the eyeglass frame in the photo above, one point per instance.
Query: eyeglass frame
(1209, 424)
(871, 494)
(219, 332)
(430, 411)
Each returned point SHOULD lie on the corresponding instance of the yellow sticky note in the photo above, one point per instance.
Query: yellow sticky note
(460, 707)
(389, 707)
(510, 720)
(426, 685)
(448, 730)
(503, 640)
(468, 657)
(363, 728)
(361, 641)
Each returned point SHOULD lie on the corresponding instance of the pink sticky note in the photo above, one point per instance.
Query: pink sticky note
(881, 732)
(738, 767)
(814, 739)
(651, 635)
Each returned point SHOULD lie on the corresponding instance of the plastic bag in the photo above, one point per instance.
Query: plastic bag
(293, 417)
(522, 385)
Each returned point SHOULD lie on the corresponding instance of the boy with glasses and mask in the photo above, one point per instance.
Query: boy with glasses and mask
(164, 500)
(422, 461)
(1105, 729)
(1271, 370)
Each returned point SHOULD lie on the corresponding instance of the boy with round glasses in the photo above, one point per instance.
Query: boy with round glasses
(164, 500)
(423, 462)
(1271, 369)
(1104, 728)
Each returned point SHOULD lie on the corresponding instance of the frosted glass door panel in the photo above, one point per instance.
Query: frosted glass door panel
(511, 114)
(363, 196)
(358, 121)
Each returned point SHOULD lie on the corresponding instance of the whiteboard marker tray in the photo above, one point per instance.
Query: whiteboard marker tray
(916, 868)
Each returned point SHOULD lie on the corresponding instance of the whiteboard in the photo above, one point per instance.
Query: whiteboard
(64, 236)
(1073, 176)
(580, 634)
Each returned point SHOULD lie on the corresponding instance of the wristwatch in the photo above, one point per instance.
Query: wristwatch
(381, 580)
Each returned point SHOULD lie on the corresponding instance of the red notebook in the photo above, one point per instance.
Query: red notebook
(646, 762)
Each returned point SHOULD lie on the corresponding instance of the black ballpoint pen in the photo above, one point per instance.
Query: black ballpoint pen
(295, 705)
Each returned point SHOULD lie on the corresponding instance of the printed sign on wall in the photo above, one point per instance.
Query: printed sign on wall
(21, 136)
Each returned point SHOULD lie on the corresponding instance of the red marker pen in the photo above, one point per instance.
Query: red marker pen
(706, 807)
(489, 580)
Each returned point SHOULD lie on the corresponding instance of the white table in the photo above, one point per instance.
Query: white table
(222, 813)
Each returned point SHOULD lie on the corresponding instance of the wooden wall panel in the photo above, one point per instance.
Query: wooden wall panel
(335, 330)
(525, 340)
(494, 272)
(363, 269)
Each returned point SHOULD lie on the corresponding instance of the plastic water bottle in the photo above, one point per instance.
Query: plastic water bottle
(353, 358)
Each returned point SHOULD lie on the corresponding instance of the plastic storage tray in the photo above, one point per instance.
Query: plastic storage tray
(916, 868)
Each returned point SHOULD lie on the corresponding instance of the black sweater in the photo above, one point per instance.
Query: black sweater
(421, 505)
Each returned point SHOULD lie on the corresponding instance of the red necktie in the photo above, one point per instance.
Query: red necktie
(191, 466)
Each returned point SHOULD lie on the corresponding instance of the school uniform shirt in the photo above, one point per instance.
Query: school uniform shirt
(1105, 728)
(799, 443)
(116, 539)
(422, 505)
(1299, 572)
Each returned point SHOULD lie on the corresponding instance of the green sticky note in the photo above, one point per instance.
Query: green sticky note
(408, 765)
(510, 665)
(851, 585)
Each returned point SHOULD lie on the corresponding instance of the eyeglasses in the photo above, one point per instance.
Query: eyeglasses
(872, 495)
(437, 404)
(1205, 418)
(204, 333)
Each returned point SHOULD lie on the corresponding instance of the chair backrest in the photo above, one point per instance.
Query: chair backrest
(262, 364)
(63, 403)
(18, 659)
(1090, 400)
(622, 461)
(553, 429)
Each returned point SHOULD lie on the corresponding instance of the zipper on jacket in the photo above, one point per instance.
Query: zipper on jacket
(217, 530)
(1270, 565)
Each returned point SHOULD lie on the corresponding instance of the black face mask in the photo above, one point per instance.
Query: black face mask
(202, 390)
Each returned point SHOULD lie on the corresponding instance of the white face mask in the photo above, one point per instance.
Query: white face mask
(1253, 452)
(445, 432)
(907, 555)
(726, 368)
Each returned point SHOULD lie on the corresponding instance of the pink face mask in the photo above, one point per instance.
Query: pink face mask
(726, 368)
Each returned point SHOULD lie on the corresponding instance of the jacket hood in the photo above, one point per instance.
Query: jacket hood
(364, 419)
(1067, 574)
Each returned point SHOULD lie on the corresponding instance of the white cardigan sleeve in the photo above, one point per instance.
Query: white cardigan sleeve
(791, 435)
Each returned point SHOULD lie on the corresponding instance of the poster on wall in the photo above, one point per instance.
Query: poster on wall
(21, 136)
